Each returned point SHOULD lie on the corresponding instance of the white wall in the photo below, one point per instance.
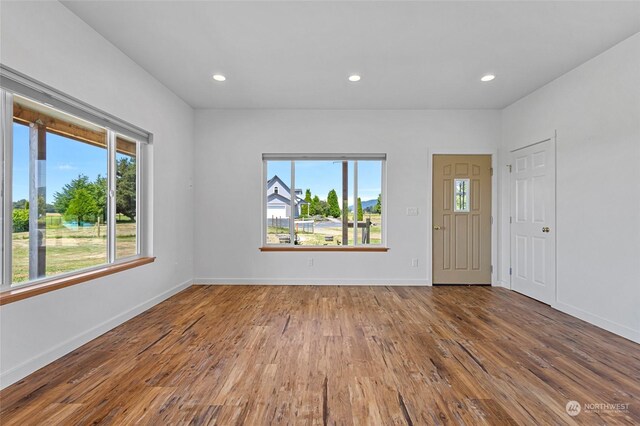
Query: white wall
(595, 110)
(229, 146)
(47, 42)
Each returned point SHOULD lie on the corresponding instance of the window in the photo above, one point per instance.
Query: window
(324, 200)
(71, 191)
(461, 194)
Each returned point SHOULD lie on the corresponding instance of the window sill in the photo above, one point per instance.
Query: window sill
(27, 291)
(322, 248)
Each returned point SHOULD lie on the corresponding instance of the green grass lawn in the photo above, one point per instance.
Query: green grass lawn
(72, 249)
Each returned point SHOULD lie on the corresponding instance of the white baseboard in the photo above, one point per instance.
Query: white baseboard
(27, 367)
(620, 330)
(307, 281)
(503, 284)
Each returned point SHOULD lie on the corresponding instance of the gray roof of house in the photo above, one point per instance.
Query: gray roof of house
(274, 196)
(279, 197)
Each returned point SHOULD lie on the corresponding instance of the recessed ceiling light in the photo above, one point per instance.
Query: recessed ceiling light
(354, 77)
(219, 77)
(487, 77)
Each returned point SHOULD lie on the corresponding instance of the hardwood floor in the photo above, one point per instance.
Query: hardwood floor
(338, 355)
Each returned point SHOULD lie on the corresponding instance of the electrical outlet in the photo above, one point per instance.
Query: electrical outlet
(412, 211)
(310, 261)
(414, 263)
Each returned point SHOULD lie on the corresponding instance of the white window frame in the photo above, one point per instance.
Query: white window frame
(266, 157)
(14, 83)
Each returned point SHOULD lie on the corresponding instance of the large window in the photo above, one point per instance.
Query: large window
(71, 192)
(321, 200)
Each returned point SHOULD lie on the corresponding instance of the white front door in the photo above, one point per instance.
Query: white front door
(533, 242)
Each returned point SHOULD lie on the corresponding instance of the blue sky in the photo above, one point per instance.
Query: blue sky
(66, 159)
(323, 176)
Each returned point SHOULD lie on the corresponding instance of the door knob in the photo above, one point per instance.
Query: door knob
(545, 229)
(436, 227)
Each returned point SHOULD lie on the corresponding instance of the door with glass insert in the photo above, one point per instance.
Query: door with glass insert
(462, 219)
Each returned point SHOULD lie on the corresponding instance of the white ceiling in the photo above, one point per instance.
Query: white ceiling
(411, 55)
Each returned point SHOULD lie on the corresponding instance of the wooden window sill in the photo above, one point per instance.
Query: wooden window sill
(323, 248)
(26, 291)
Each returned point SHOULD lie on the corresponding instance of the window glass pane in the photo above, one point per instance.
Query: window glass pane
(20, 236)
(461, 191)
(278, 202)
(126, 213)
(369, 202)
(320, 185)
(350, 204)
(59, 193)
(324, 214)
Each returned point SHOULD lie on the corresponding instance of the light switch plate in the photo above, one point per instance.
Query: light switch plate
(412, 211)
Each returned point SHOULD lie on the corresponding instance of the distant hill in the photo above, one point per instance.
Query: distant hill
(366, 204)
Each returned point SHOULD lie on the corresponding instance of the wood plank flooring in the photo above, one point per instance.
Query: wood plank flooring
(338, 355)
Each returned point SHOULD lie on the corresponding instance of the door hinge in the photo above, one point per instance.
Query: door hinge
(492, 269)
(491, 170)
(509, 167)
(492, 220)
(510, 219)
(510, 271)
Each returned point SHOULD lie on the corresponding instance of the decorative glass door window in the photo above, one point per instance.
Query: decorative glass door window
(461, 195)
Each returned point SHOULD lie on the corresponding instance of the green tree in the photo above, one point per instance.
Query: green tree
(82, 206)
(360, 212)
(378, 206)
(20, 204)
(126, 187)
(334, 207)
(322, 208)
(307, 198)
(315, 206)
(62, 199)
(98, 190)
